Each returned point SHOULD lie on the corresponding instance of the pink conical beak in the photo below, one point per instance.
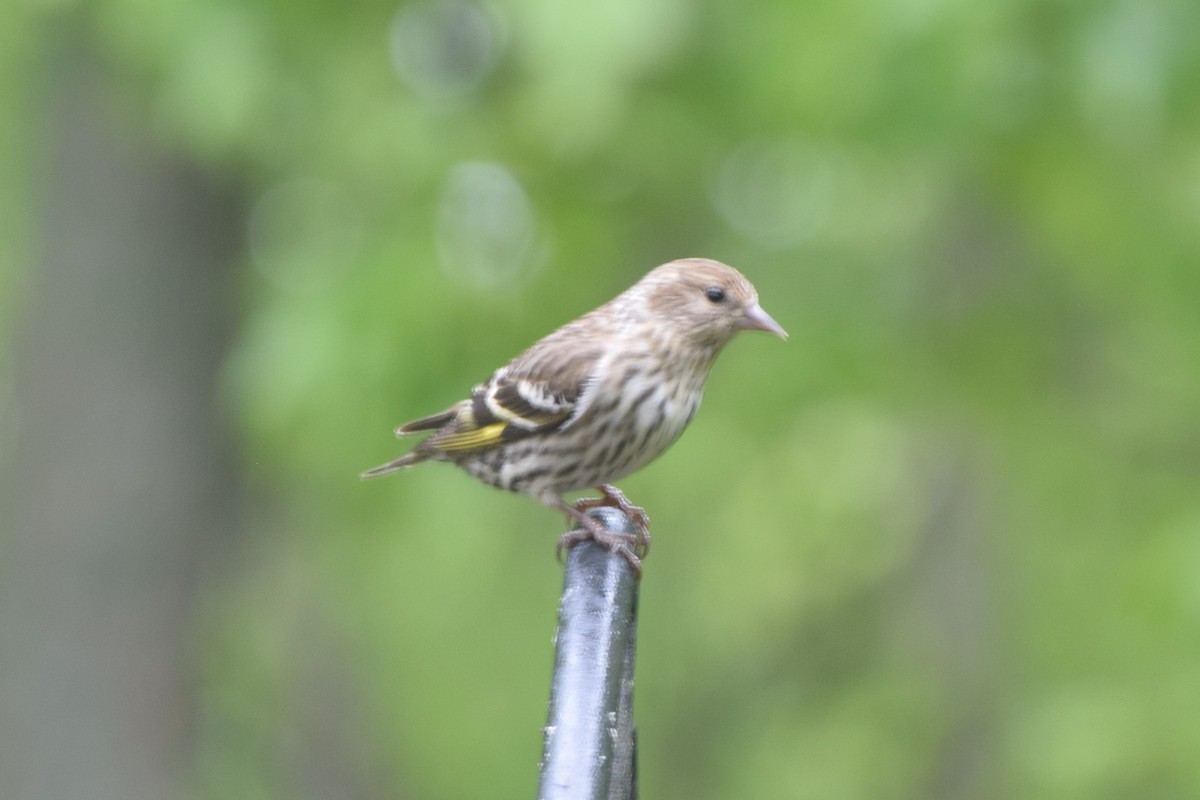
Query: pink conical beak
(758, 320)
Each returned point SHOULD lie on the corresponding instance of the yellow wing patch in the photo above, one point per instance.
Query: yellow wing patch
(470, 440)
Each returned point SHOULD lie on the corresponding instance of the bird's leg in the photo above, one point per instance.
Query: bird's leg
(623, 544)
(615, 498)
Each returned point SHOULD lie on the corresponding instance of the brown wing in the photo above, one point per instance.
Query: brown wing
(541, 388)
(538, 391)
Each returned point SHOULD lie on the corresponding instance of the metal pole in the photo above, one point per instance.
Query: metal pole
(589, 749)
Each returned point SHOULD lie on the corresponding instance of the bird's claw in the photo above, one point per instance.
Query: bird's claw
(623, 544)
(615, 498)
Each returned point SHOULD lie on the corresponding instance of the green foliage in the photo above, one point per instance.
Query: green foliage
(942, 543)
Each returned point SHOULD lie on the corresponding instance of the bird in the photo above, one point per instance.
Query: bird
(597, 399)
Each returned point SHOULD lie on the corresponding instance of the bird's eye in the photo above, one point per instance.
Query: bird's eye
(715, 294)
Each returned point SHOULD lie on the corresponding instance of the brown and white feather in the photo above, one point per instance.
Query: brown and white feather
(601, 396)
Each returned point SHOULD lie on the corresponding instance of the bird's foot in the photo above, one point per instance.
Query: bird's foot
(623, 544)
(615, 498)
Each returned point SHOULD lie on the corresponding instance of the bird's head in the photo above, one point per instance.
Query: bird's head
(706, 301)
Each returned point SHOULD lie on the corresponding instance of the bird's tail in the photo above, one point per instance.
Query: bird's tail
(403, 462)
(430, 423)
(421, 453)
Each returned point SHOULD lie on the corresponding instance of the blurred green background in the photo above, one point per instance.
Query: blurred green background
(943, 543)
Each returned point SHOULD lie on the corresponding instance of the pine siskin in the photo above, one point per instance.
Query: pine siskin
(598, 398)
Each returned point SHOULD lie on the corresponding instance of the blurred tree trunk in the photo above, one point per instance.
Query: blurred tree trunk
(119, 473)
